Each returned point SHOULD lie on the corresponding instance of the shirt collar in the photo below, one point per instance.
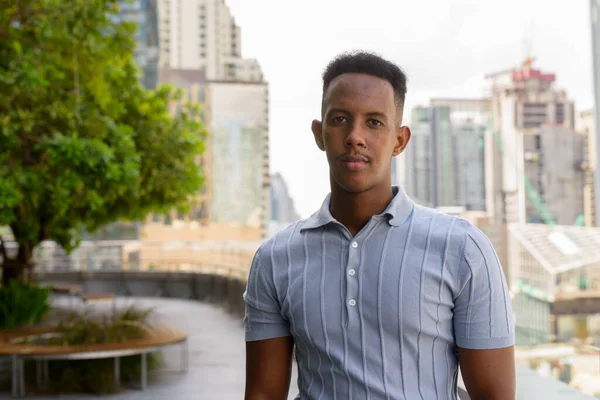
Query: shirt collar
(398, 211)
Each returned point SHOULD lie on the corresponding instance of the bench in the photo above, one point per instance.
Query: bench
(65, 289)
(78, 291)
(20, 352)
(93, 298)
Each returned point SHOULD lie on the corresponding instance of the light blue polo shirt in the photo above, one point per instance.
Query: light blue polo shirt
(379, 315)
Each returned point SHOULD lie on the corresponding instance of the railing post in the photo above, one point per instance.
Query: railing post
(144, 370)
(117, 372)
(15, 375)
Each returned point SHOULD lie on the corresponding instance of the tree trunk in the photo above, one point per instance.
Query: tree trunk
(19, 267)
(11, 271)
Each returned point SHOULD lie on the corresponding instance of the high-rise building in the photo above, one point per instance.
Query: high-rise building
(468, 118)
(238, 122)
(533, 133)
(465, 109)
(282, 204)
(202, 34)
(145, 14)
(429, 158)
(469, 165)
(234, 202)
(589, 165)
(444, 161)
(196, 47)
(283, 211)
(595, 30)
(419, 179)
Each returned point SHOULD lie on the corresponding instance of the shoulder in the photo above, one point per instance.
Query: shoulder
(438, 225)
(461, 241)
(279, 244)
(478, 248)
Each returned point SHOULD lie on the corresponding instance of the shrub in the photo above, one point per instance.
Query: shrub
(22, 304)
(94, 376)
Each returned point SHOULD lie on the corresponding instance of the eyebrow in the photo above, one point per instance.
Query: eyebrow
(369, 114)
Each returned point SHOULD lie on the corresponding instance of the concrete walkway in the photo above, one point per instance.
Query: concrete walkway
(217, 355)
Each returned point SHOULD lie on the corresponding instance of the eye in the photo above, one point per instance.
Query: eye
(375, 122)
(339, 119)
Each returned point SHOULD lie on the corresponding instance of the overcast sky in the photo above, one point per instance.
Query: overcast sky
(445, 46)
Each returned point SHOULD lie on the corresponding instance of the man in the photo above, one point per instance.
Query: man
(379, 297)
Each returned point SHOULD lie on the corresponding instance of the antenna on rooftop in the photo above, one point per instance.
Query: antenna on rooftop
(528, 43)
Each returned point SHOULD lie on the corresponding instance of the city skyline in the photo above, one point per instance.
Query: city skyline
(442, 59)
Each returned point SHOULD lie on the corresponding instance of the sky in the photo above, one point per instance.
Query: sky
(446, 47)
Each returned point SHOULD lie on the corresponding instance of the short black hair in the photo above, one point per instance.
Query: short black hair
(363, 62)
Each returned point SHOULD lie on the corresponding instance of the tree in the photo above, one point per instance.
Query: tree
(82, 143)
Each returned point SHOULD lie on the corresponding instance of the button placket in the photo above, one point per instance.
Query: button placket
(352, 281)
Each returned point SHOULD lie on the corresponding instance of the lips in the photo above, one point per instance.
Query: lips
(354, 162)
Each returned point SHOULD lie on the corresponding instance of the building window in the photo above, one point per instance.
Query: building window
(560, 113)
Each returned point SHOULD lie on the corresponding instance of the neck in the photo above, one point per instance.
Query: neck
(354, 210)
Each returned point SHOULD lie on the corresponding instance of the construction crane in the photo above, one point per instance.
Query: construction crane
(530, 190)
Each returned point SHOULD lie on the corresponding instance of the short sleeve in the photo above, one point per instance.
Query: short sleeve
(483, 317)
(263, 318)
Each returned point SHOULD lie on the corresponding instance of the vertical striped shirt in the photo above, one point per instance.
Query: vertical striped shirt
(379, 315)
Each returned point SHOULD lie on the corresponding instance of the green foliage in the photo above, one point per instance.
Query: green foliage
(22, 305)
(82, 143)
(81, 329)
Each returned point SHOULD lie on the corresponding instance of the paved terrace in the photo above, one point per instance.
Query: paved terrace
(216, 364)
(216, 355)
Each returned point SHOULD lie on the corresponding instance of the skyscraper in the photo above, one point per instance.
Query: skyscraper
(238, 122)
(595, 22)
(468, 120)
(202, 34)
(589, 165)
(532, 150)
(145, 14)
(200, 53)
(283, 211)
(444, 161)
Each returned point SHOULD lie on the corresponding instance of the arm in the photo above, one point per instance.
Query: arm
(488, 374)
(483, 323)
(268, 369)
(269, 344)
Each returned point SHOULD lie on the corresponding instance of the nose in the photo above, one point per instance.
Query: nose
(356, 137)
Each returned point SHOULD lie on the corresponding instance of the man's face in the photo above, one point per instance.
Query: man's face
(360, 131)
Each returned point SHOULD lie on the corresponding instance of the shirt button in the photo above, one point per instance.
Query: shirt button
(352, 302)
(352, 272)
(354, 245)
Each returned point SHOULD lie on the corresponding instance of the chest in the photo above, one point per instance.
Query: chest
(385, 283)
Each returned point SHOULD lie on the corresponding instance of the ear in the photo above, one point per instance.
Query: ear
(318, 133)
(402, 139)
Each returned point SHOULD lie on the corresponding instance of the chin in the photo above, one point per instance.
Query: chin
(352, 184)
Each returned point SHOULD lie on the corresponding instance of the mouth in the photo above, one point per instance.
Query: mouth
(354, 162)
